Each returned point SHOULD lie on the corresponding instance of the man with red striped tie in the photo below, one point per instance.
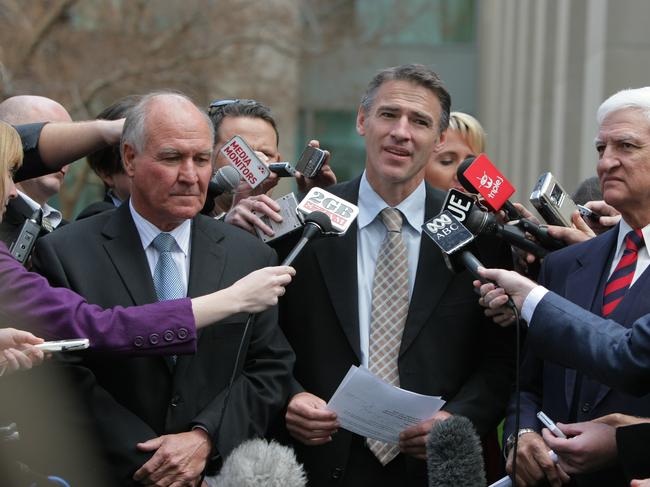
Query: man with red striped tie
(606, 275)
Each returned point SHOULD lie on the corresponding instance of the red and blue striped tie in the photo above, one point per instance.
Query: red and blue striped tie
(620, 280)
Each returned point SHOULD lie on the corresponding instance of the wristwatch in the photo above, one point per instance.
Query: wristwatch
(510, 442)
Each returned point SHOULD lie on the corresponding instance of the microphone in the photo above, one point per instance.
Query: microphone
(256, 463)
(479, 176)
(222, 181)
(482, 222)
(452, 237)
(454, 454)
(316, 223)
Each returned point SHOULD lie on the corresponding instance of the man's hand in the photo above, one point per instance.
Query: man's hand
(511, 284)
(579, 232)
(616, 420)
(589, 446)
(324, 178)
(308, 421)
(241, 214)
(609, 216)
(260, 289)
(178, 461)
(413, 440)
(640, 483)
(17, 350)
(534, 463)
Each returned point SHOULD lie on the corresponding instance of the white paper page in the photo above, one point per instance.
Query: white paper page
(370, 407)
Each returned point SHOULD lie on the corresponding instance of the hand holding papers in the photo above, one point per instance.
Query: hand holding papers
(366, 405)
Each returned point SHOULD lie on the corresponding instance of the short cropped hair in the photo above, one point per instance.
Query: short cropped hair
(469, 129)
(415, 73)
(221, 109)
(632, 98)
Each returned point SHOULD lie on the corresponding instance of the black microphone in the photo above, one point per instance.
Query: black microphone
(485, 165)
(482, 222)
(316, 223)
(256, 463)
(454, 454)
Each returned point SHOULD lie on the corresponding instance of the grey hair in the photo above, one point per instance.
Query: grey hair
(638, 98)
(134, 132)
(415, 73)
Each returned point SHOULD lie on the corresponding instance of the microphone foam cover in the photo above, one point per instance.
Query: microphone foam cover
(257, 463)
(226, 178)
(320, 219)
(454, 454)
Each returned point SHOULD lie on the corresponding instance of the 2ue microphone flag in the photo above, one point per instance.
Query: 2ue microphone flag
(489, 182)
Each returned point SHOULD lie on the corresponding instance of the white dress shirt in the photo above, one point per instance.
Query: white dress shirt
(370, 235)
(51, 214)
(148, 231)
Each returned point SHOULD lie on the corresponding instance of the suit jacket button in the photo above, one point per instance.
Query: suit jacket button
(138, 341)
(182, 333)
(586, 407)
(168, 336)
(176, 400)
(153, 338)
(337, 473)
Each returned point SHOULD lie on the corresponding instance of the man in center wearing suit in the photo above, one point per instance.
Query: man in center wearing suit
(384, 283)
(160, 417)
(606, 275)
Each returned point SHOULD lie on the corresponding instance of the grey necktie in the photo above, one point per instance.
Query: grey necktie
(390, 303)
(166, 276)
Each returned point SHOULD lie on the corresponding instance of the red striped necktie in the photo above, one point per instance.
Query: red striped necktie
(620, 280)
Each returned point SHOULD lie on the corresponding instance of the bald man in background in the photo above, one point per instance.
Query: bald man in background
(32, 193)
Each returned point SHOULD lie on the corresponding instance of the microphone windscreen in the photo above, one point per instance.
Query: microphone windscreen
(258, 463)
(454, 454)
(225, 179)
(320, 219)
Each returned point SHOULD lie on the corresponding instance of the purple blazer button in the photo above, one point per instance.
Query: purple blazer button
(168, 336)
(138, 341)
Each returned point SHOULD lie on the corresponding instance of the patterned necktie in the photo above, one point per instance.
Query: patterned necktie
(166, 276)
(620, 280)
(390, 303)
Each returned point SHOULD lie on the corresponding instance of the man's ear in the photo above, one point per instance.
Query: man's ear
(361, 120)
(441, 141)
(128, 156)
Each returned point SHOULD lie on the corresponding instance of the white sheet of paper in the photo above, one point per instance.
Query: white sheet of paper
(370, 407)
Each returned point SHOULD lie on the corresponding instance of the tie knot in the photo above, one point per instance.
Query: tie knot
(392, 219)
(164, 242)
(634, 240)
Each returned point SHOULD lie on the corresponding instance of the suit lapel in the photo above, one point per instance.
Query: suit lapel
(431, 281)
(592, 265)
(207, 263)
(338, 265)
(124, 248)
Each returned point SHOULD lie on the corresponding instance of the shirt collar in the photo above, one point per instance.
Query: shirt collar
(53, 215)
(148, 231)
(623, 229)
(371, 204)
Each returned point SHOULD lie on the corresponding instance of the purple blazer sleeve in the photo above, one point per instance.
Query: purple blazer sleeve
(28, 302)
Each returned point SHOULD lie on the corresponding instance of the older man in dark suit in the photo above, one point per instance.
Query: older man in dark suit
(161, 418)
(386, 283)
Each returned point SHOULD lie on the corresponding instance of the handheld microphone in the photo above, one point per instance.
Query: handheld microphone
(316, 223)
(256, 463)
(452, 238)
(454, 454)
(224, 180)
(482, 222)
(479, 176)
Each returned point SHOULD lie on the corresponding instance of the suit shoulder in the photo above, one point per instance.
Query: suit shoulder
(232, 234)
(77, 229)
(562, 256)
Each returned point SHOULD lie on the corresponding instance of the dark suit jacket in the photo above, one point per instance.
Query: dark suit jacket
(617, 355)
(137, 399)
(97, 207)
(579, 273)
(448, 347)
(632, 444)
(17, 212)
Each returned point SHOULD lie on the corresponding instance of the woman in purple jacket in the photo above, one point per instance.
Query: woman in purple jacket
(27, 300)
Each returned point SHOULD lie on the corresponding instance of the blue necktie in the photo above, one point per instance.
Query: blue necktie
(166, 276)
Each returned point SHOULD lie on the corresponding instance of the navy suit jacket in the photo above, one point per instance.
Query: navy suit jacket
(580, 273)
